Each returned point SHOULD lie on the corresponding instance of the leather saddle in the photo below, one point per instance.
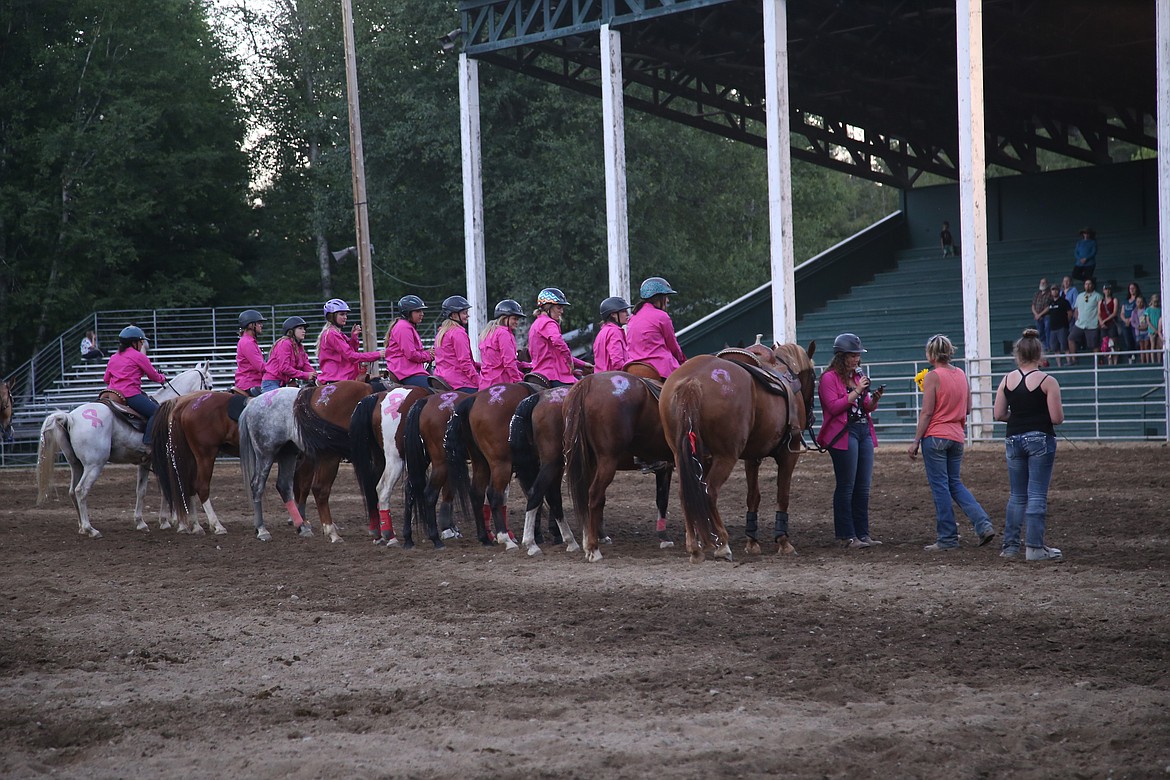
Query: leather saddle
(537, 380)
(642, 370)
(117, 404)
(771, 380)
(438, 384)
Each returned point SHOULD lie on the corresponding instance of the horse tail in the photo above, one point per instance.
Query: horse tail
(319, 436)
(170, 463)
(455, 440)
(54, 437)
(580, 460)
(367, 458)
(418, 460)
(248, 461)
(525, 459)
(690, 455)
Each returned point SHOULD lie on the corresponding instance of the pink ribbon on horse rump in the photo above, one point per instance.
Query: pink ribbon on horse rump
(496, 394)
(620, 384)
(199, 401)
(448, 400)
(94, 420)
(326, 392)
(557, 395)
(723, 378)
(392, 405)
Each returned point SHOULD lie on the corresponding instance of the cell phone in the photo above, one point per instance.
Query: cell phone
(881, 388)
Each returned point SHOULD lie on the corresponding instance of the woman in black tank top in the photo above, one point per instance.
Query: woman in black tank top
(1028, 400)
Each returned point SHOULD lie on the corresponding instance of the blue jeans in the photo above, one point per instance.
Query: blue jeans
(269, 384)
(145, 406)
(853, 468)
(943, 458)
(1030, 457)
(418, 380)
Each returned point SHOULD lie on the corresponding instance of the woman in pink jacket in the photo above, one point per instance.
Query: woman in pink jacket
(249, 358)
(650, 334)
(551, 357)
(337, 354)
(497, 347)
(406, 359)
(610, 352)
(124, 375)
(453, 361)
(288, 360)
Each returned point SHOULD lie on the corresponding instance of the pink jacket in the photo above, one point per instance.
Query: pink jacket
(835, 411)
(609, 348)
(339, 358)
(125, 370)
(453, 361)
(497, 354)
(249, 363)
(405, 356)
(650, 339)
(288, 361)
(550, 354)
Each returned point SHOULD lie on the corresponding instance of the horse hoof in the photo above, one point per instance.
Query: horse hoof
(665, 544)
(305, 531)
(408, 545)
(391, 542)
(752, 547)
(142, 526)
(197, 531)
(439, 544)
(263, 535)
(377, 541)
(572, 548)
(785, 547)
(534, 550)
(94, 533)
(592, 556)
(221, 531)
(723, 551)
(697, 556)
(165, 525)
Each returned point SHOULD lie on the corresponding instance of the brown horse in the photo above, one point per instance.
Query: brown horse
(611, 423)
(426, 469)
(536, 439)
(479, 431)
(378, 452)
(715, 412)
(6, 411)
(189, 432)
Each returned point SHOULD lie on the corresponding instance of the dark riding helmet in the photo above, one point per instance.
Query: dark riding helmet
(849, 343)
(551, 295)
(508, 307)
(409, 303)
(132, 333)
(249, 316)
(291, 323)
(454, 304)
(612, 306)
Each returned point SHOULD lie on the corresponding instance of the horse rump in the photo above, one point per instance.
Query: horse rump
(368, 458)
(319, 436)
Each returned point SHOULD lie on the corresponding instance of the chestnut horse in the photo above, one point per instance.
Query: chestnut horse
(377, 450)
(714, 412)
(426, 468)
(536, 438)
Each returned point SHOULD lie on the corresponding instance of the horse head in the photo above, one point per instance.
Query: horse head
(799, 362)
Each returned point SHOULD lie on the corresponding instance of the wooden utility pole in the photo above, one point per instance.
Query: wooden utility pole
(358, 164)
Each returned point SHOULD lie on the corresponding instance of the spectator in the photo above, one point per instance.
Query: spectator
(1107, 312)
(1128, 331)
(947, 240)
(1068, 291)
(1085, 254)
(89, 347)
(1028, 400)
(1086, 327)
(1057, 315)
(1154, 324)
(1039, 307)
(1141, 325)
(942, 422)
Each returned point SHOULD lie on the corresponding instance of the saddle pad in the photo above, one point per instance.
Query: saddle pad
(654, 386)
(438, 384)
(236, 406)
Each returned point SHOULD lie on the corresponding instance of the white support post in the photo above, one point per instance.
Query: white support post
(776, 106)
(472, 198)
(614, 121)
(973, 211)
(1162, 47)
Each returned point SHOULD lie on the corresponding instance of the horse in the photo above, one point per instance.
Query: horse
(92, 435)
(268, 433)
(612, 422)
(714, 412)
(426, 469)
(198, 427)
(377, 451)
(478, 430)
(538, 461)
(6, 410)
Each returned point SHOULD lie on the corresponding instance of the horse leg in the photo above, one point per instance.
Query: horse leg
(140, 498)
(721, 468)
(786, 464)
(390, 476)
(497, 495)
(204, 467)
(79, 494)
(302, 483)
(662, 499)
(603, 474)
(556, 512)
(751, 469)
(323, 476)
(431, 497)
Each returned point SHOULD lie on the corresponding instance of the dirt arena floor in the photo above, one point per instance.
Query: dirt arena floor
(159, 655)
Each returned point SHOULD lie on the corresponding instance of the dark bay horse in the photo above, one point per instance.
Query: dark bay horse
(378, 452)
(714, 412)
(610, 420)
(426, 468)
(536, 438)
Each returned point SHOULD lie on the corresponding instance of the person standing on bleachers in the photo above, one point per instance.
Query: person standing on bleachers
(947, 240)
(1069, 291)
(1086, 328)
(1085, 256)
(1128, 335)
(124, 375)
(89, 347)
(1057, 317)
(249, 358)
(1039, 308)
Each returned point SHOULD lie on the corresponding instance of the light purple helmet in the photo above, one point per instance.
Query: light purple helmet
(335, 305)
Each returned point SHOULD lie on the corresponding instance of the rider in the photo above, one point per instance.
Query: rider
(288, 360)
(405, 357)
(497, 346)
(249, 358)
(124, 374)
(609, 348)
(338, 355)
(650, 334)
(453, 361)
(551, 357)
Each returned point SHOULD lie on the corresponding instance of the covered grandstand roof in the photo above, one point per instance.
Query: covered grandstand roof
(872, 81)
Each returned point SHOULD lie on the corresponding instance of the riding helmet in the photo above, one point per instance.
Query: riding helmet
(848, 343)
(409, 303)
(508, 307)
(335, 305)
(249, 316)
(456, 303)
(612, 306)
(132, 333)
(655, 285)
(292, 322)
(551, 295)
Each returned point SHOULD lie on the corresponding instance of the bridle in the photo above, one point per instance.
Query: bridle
(205, 382)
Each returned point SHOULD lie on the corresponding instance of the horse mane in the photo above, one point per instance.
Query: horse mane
(318, 435)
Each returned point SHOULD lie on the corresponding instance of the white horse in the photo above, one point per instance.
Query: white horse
(91, 436)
